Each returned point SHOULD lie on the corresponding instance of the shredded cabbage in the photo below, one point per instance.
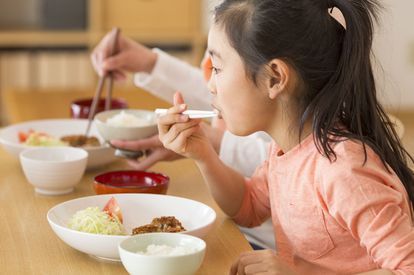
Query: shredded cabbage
(93, 220)
(39, 139)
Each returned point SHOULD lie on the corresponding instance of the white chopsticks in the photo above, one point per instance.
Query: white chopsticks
(190, 113)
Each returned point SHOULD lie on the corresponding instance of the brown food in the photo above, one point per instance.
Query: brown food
(163, 224)
(78, 141)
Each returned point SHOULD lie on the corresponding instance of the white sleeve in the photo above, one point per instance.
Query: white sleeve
(172, 75)
(244, 154)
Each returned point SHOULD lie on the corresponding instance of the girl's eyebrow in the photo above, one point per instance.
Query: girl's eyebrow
(214, 53)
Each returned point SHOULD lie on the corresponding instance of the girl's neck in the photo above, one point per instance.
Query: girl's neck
(286, 132)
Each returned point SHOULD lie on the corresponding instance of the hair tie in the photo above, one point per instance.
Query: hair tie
(330, 5)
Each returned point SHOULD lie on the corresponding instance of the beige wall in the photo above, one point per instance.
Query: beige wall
(394, 48)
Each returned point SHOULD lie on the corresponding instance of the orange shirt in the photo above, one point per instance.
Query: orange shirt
(332, 218)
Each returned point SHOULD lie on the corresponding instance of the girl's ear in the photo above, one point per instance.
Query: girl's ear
(279, 77)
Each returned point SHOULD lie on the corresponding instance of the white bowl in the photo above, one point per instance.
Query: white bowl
(139, 264)
(110, 132)
(98, 156)
(54, 170)
(137, 210)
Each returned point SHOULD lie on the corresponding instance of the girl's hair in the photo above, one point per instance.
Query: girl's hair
(333, 63)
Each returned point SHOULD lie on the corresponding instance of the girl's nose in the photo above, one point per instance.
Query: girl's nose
(211, 86)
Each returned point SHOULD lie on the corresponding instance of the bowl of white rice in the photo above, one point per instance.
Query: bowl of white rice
(126, 124)
(162, 253)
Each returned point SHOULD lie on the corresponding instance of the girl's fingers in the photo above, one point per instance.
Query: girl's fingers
(249, 262)
(178, 99)
(179, 144)
(170, 132)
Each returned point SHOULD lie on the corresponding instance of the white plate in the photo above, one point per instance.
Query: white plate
(98, 156)
(137, 210)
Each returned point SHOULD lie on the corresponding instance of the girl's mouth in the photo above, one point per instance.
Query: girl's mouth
(216, 111)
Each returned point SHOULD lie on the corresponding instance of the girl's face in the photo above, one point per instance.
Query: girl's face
(245, 107)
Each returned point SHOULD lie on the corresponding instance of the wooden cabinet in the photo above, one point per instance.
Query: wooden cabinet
(151, 22)
(162, 16)
(159, 23)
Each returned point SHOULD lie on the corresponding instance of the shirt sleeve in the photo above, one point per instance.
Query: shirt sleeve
(372, 205)
(244, 154)
(256, 207)
(171, 75)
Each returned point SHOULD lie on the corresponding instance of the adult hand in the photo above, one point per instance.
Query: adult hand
(263, 262)
(131, 57)
(153, 148)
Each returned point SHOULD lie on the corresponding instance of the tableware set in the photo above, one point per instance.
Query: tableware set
(191, 113)
(138, 264)
(110, 132)
(98, 156)
(81, 108)
(131, 181)
(137, 210)
(56, 170)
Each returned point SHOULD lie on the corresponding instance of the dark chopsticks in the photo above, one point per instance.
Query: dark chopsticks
(98, 91)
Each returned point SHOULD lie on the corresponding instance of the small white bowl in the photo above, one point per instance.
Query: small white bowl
(139, 264)
(110, 132)
(54, 170)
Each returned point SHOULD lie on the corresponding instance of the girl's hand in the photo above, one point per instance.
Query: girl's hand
(181, 134)
(260, 262)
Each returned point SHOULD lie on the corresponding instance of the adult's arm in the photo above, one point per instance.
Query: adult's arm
(171, 75)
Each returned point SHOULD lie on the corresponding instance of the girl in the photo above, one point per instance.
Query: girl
(336, 182)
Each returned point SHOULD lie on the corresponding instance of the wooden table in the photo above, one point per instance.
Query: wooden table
(28, 245)
(32, 104)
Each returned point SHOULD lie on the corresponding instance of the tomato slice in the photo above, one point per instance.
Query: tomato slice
(113, 208)
(23, 136)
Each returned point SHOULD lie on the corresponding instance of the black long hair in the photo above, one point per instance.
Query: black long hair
(333, 62)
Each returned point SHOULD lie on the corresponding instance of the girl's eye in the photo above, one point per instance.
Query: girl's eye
(215, 70)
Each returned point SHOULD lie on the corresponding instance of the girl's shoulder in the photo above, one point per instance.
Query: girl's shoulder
(354, 166)
(353, 154)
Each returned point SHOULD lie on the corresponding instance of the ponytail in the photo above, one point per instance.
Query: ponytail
(358, 108)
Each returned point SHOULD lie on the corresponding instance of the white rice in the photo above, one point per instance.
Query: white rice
(124, 119)
(165, 250)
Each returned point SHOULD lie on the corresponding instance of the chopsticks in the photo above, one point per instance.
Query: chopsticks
(191, 113)
(98, 91)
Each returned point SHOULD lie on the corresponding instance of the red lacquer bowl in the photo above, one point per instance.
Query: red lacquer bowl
(81, 107)
(131, 181)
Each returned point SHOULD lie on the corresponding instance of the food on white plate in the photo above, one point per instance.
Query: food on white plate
(109, 221)
(93, 220)
(112, 208)
(35, 138)
(165, 250)
(164, 224)
(124, 119)
(80, 141)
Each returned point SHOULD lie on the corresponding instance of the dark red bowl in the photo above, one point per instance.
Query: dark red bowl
(131, 181)
(80, 108)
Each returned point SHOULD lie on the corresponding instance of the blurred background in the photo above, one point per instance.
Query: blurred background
(45, 44)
